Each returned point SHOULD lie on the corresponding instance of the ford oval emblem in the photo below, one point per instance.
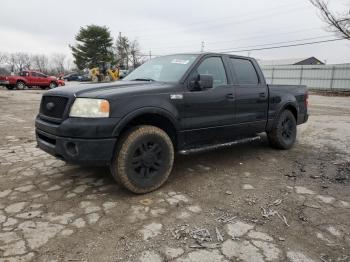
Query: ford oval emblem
(50, 106)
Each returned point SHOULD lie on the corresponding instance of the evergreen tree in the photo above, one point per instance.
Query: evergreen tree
(94, 45)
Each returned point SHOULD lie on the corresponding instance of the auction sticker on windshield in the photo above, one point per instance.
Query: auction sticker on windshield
(180, 61)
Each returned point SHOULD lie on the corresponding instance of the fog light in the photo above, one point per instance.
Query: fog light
(72, 149)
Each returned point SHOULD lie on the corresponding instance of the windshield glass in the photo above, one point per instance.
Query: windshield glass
(165, 69)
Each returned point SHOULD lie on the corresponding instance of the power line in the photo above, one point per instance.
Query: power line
(284, 46)
(275, 43)
(220, 25)
(271, 47)
(241, 38)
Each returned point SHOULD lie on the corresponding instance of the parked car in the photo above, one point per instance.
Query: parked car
(61, 82)
(123, 73)
(85, 78)
(72, 77)
(29, 78)
(183, 103)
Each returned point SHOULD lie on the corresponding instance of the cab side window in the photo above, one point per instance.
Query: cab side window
(245, 71)
(41, 75)
(215, 67)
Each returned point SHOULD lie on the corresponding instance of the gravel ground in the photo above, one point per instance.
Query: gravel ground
(245, 203)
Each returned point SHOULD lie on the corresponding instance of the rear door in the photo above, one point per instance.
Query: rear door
(251, 94)
(209, 114)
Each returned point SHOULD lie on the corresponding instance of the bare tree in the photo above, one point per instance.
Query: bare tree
(123, 50)
(40, 62)
(135, 54)
(338, 23)
(58, 63)
(3, 58)
(69, 65)
(19, 61)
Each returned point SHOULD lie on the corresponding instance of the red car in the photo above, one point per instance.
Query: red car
(30, 78)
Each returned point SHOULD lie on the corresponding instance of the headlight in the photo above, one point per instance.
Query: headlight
(88, 107)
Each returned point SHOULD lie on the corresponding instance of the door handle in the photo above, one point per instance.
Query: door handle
(262, 95)
(230, 96)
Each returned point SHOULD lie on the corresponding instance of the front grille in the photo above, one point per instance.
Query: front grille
(53, 106)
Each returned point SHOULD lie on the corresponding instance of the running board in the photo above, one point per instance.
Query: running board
(217, 146)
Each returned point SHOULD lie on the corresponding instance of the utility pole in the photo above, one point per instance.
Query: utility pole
(202, 47)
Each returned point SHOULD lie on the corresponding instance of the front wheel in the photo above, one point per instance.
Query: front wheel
(52, 85)
(284, 132)
(144, 159)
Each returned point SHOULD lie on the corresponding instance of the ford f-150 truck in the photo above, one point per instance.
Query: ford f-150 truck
(30, 78)
(181, 103)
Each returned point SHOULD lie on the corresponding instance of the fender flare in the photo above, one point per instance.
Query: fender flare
(22, 80)
(289, 103)
(141, 111)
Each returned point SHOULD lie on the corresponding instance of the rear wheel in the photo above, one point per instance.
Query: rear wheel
(20, 85)
(283, 134)
(144, 159)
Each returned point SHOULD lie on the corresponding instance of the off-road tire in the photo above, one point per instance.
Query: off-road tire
(52, 85)
(284, 131)
(143, 159)
(20, 85)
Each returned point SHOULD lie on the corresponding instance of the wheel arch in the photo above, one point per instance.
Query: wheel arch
(291, 106)
(21, 80)
(149, 116)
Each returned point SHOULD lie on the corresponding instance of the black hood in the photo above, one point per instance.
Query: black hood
(107, 90)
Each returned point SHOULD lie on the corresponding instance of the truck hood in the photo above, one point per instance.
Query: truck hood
(110, 90)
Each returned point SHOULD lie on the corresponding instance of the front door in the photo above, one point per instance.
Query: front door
(209, 113)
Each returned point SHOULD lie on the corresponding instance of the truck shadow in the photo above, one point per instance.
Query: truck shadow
(184, 167)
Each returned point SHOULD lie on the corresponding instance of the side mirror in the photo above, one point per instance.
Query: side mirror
(202, 82)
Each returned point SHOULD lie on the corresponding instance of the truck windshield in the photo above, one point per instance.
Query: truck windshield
(165, 69)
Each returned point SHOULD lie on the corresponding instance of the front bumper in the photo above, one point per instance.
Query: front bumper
(4, 82)
(76, 150)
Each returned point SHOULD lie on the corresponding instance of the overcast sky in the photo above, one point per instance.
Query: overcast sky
(164, 26)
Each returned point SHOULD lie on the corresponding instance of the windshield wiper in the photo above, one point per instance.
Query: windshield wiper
(143, 79)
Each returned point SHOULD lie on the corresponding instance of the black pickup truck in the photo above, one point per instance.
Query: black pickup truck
(181, 103)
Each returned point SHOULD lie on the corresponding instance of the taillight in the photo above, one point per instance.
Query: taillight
(306, 100)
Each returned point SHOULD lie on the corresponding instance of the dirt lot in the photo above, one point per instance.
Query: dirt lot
(246, 203)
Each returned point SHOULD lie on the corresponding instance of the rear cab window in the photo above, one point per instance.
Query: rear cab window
(245, 71)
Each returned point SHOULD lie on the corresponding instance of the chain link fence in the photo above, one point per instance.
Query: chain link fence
(315, 77)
